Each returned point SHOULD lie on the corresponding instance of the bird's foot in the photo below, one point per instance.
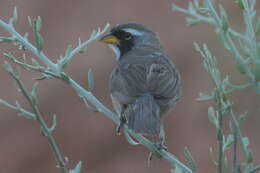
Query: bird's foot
(160, 146)
(121, 125)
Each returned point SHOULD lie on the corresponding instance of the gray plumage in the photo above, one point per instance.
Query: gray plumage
(145, 83)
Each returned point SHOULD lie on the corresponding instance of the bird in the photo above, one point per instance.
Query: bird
(145, 82)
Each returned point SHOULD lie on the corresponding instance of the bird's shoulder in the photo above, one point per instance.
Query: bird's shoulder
(155, 74)
(155, 65)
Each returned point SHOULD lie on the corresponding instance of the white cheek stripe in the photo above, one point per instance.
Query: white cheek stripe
(115, 50)
(133, 31)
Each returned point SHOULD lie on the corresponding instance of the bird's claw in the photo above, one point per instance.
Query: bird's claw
(160, 145)
(121, 125)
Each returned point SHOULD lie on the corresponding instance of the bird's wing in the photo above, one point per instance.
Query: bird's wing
(127, 82)
(139, 75)
(163, 79)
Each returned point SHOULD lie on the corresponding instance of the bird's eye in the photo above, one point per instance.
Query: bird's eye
(128, 36)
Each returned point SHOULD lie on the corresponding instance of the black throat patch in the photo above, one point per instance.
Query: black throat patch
(126, 41)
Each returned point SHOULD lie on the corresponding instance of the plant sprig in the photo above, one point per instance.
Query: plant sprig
(247, 54)
(224, 108)
(35, 115)
(244, 48)
(55, 70)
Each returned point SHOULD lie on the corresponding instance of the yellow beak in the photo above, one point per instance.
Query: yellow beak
(109, 39)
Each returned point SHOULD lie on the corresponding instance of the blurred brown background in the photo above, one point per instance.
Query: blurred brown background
(90, 137)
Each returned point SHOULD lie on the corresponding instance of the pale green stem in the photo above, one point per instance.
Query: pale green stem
(41, 121)
(9, 28)
(92, 99)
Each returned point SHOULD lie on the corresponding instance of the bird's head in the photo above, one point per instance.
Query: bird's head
(126, 37)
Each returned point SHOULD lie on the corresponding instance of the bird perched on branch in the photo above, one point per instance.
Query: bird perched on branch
(145, 83)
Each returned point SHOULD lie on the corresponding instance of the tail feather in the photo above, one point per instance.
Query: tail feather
(143, 116)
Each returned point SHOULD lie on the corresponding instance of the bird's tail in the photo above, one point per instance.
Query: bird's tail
(143, 116)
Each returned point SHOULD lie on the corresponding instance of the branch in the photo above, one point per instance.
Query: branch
(10, 29)
(31, 98)
(208, 14)
(224, 107)
(200, 18)
(19, 109)
(83, 93)
(255, 169)
(220, 135)
(71, 53)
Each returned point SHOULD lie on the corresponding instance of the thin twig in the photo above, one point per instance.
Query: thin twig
(208, 20)
(45, 129)
(31, 67)
(240, 137)
(220, 136)
(229, 37)
(142, 140)
(28, 114)
(9, 28)
(94, 36)
(93, 100)
(235, 165)
(255, 169)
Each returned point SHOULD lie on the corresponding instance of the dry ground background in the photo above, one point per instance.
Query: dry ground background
(83, 135)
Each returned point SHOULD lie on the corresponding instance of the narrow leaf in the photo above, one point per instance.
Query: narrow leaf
(4, 103)
(240, 3)
(6, 39)
(245, 141)
(162, 133)
(177, 170)
(129, 139)
(24, 113)
(222, 38)
(204, 97)
(105, 28)
(90, 80)
(252, 4)
(40, 78)
(64, 77)
(14, 16)
(227, 144)
(224, 19)
(39, 41)
(249, 157)
(190, 159)
(34, 92)
(77, 169)
(93, 109)
(241, 65)
(68, 50)
(191, 21)
(257, 31)
(93, 34)
(191, 7)
(225, 165)
(242, 117)
(63, 60)
(9, 56)
(212, 117)
(54, 123)
(26, 35)
(38, 23)
(8, 67)
(35, 62)
(212, 156)
(30, 21)
(226, 82)
(27, 115)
